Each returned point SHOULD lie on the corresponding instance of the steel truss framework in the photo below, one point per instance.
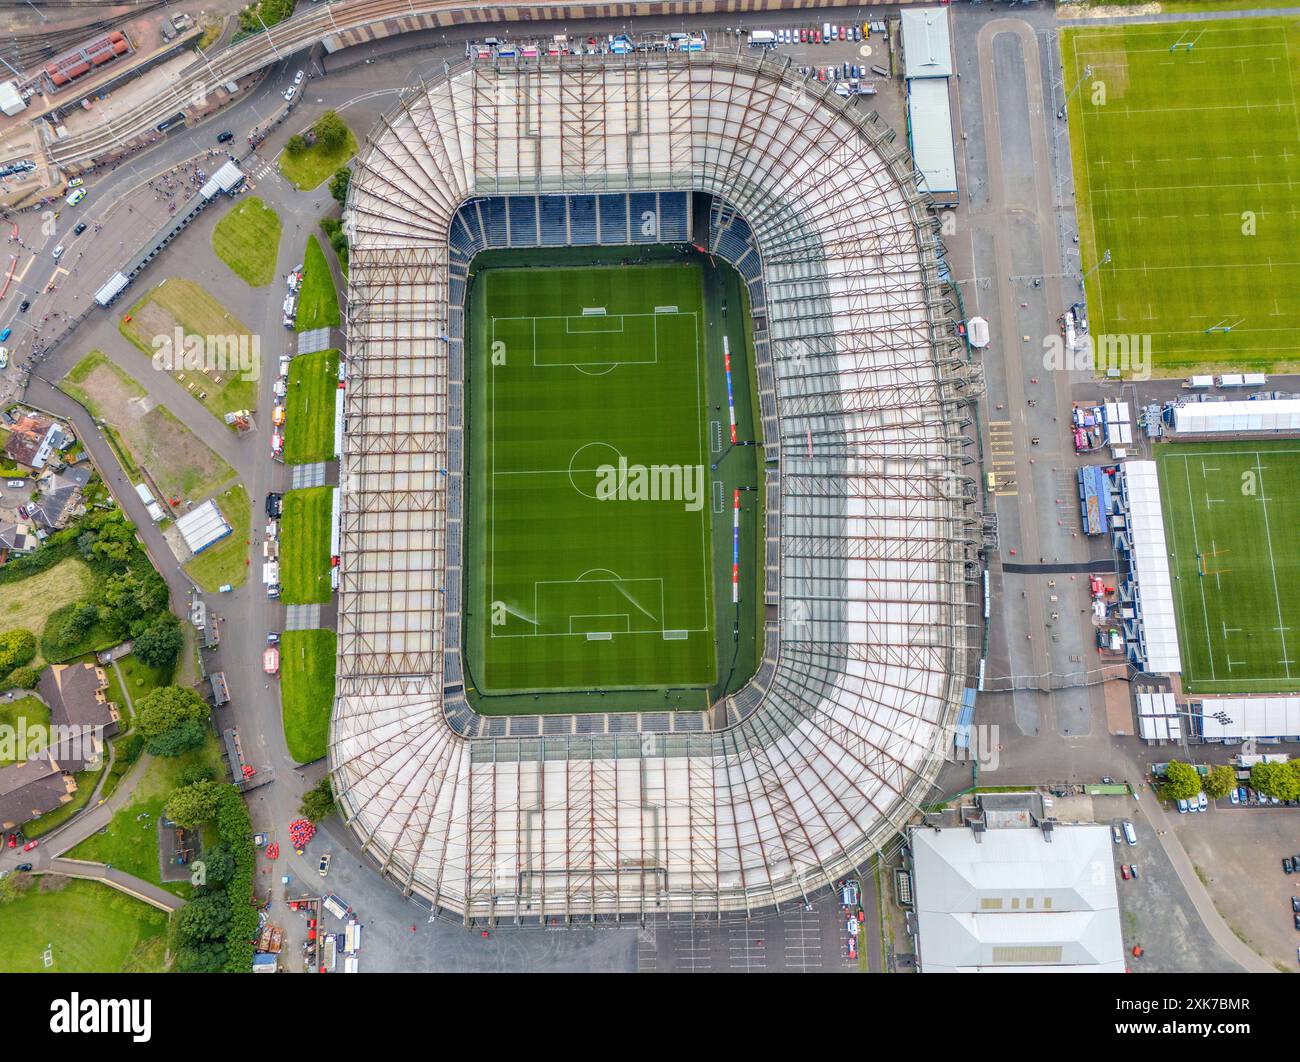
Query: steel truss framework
(871, 526)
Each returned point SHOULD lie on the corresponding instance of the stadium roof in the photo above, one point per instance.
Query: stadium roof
(1156, 613)
(817, 763)
(930, 123)
(1011, 901)
(927, 46)
(202, 526)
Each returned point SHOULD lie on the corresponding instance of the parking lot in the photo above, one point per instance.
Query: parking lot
(1155, 910)
(1238, 851)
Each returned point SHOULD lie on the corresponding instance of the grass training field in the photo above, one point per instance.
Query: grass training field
(1232, 526)
(305, 546)
(318, 302)
(247, 239)
(1186, 164)
(85, 927)
(590, 498)
(307, 691)
(25, 604)
(309, 414)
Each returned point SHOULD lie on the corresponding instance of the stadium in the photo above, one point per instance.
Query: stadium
(869, 528)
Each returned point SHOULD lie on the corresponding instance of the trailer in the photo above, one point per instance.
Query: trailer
(271, 660)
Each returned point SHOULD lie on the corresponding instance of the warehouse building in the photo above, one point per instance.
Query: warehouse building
(1006, 889)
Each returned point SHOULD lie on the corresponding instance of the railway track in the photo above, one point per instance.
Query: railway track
(299, 33)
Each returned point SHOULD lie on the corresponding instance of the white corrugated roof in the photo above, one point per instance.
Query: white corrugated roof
(1151, 570)
(1249, 717)
(1013, 900)
(927, 46)
(202, 526)
(1265, 414)
(930, 122)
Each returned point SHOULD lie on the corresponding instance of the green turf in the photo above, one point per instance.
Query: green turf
(557, 397)
(247, 239)
(318, 303)
(309, 416)
(22, 712)
(1185, 163)
(305, 546)
(1232, 528)
(86, 927)
(307, 691)
(310, 168)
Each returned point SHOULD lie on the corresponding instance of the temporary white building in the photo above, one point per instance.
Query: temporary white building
(202, 526)
(1217, 418)
(1157, 620)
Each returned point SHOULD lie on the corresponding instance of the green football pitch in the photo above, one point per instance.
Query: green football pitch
(1232, 527)
(590, 504)
(1187, 168)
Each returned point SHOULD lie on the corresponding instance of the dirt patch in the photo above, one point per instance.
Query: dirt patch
(159, 444)
(54, 882)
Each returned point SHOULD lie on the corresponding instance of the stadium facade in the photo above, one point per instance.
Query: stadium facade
(871, 523)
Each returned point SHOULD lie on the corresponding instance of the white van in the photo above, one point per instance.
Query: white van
(1130, 834)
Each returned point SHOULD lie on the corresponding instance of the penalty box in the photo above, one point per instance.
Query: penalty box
(593, 338)
(588, 607)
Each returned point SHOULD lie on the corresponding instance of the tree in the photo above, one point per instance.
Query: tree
(1181, 781)
(160, 645)
(296, 144)
(195, 772)
(193, 804)
(17, 647)
(339, 185)
(172, 720)
(1276, 779)
(331, 131)
(202, 957)
(167, 708)
(318, 802)
(206, 917)
(1220, 781)
(189, 735)
(22, 678)
(218, 865)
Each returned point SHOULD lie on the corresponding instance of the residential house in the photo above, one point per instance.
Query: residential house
(58, 501)
(33, 788)
(34, 439)
(17, 539)
(77, 695)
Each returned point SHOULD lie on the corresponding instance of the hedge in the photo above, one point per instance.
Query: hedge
(236, 829)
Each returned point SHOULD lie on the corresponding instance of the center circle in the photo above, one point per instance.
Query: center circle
(577, 466)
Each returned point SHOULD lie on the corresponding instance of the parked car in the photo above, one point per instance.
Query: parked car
(1241, 792)
(1287, 868)
(274, 503)
(1295, 904)
(1183, 807)
(13, 841)
(1232, 795)
(1130, 834)
(1133, 869)
(1296, 920)
(22, 306)
(77, 196)
(80, 228)
(1123, 870)
(30, 845)
(1202, 804)
(272, 637)
(324, 865)
(76, 182)
(1115, 835)
(58, 252)
(297, 78)
(24, 868)
(225, 137)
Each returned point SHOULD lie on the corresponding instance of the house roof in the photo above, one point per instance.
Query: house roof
(30, 789)
(16, 537)
(26, 436)
(71, 691)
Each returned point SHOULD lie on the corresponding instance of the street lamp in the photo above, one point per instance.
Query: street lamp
(1105, 260)
(258, 15)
